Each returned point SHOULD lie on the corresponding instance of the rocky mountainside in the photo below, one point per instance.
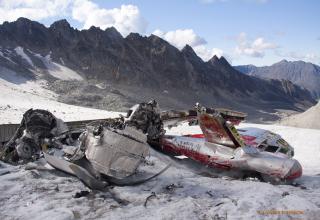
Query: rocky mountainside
(306, 75)
(101, 68)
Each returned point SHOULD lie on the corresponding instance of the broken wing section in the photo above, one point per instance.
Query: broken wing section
(217, 129)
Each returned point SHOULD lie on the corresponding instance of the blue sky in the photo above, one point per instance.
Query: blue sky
(259, 32)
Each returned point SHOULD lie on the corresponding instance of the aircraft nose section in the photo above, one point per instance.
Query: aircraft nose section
(295, 171)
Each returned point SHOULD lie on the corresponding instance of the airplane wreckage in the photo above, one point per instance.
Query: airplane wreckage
(110, 151)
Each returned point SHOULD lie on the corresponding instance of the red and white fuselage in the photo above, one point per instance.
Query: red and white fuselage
(259, 150)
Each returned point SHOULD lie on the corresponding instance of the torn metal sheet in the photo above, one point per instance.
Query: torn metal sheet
(116, 153)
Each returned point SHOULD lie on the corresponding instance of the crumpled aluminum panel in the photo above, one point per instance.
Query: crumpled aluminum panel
(117, 154)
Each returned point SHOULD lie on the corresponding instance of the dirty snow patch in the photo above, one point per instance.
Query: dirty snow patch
(62, 72)
(57, 70)
(21, 53)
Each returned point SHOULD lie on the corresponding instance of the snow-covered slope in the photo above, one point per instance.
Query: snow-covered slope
(57, 70)
(40, 65)
(18, 94)
(23, 55)
(307, 119)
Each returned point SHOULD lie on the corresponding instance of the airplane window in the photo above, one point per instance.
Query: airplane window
(271, 148)
(284, 150)
(263, 145)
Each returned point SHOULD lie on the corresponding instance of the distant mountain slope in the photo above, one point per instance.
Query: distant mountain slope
(306, 75)
(104, 69)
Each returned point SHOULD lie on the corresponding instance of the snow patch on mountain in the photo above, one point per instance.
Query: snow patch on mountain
(23, 55)
(57, 70)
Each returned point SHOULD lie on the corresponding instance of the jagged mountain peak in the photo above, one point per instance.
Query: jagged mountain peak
(23, 20)
(157, 39)
(60, 24)
(281, 62)
(23, 24)
(216, 61)
(188, 50)
(112, 31)
(224, 61)
(134, 36)
(94, 29)
(190, 54)
(154, 37)
(152, 41)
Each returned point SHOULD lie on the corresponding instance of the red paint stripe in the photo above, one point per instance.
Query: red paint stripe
(204, 159)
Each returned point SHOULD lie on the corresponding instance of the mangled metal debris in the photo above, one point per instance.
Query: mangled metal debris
(35, 127)
(110, 151)
(116, 153)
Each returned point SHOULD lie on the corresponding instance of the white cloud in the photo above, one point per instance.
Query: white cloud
(181, 37)
(254, 48)
(311, 56)
(206, 53)
(125, 19)
(10, 10)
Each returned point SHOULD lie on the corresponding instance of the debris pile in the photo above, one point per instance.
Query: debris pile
(106, 151)
(110, 151)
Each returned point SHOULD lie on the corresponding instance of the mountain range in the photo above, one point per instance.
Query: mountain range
(304, 74)
(102, 69)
